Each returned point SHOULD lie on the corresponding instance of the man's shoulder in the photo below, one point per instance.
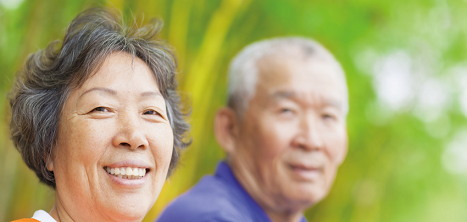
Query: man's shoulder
(210, 200)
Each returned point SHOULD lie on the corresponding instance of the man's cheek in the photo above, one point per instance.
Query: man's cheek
(336, 151)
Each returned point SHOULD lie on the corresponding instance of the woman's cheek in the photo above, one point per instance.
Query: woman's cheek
(162, 145)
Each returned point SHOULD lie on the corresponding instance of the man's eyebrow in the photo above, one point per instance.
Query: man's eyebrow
(293, 96)
(101, 89)
(283, 95)
(334, 103)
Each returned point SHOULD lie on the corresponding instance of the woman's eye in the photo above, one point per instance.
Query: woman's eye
(151, 112)
(100, 109)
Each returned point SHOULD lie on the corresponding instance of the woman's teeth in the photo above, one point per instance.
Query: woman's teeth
(127, 172)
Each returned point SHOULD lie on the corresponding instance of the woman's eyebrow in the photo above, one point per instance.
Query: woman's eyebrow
(151, 93)
(114, 93)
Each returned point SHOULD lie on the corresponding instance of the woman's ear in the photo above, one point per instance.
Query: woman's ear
(49, 163)
(226, 129)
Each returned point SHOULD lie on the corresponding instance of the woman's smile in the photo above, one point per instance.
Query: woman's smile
(127, 177)
(126, 172)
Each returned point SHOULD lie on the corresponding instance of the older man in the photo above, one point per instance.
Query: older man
(284, 133)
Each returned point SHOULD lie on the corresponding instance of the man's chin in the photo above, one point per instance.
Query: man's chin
(307, 196)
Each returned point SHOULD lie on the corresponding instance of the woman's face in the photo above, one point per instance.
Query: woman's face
(114, 122)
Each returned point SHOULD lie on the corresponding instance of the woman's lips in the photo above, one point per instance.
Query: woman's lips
(122, 178)
(129, 169)
(127, 172)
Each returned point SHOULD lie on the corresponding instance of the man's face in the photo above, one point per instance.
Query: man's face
(292, 138)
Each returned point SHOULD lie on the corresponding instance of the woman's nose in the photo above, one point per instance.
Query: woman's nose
(130, 134)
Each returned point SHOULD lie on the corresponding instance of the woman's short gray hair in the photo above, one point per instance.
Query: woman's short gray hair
(243, 71)
(48, 76)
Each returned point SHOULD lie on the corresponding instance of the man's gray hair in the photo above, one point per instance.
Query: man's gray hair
(49, 75)
(243, 70)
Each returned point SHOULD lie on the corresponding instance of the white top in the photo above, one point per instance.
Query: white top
(43, 216)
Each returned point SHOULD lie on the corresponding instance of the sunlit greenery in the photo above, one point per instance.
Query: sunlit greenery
(407, 74)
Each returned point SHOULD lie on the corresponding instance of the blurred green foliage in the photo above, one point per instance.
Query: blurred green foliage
(407, 74)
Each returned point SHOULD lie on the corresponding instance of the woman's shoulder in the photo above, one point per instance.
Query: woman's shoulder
(26, 220)
(39, 216)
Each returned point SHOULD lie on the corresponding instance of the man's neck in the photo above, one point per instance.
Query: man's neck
(284, 217)
(264, 200)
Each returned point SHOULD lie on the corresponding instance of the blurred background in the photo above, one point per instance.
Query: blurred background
(406, 64)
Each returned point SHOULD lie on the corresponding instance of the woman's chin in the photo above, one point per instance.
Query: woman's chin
(129, 211)
(125, 199)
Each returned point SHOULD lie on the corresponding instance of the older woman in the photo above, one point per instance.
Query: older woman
(97, 118)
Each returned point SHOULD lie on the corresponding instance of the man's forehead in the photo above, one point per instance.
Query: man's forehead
(277, 70)
(279, 63)
(281, 76)
(273, 71)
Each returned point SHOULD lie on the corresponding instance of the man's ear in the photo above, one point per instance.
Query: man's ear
(343, 153)
(226, 129)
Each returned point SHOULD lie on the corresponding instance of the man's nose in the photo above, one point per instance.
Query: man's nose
(131, 133)
(309, 134)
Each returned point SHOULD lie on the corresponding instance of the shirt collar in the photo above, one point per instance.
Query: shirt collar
(225, 173)
(43, 216)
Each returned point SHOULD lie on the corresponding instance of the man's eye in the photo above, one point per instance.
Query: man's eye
(287, 112)
(100, 109)
(329, 116)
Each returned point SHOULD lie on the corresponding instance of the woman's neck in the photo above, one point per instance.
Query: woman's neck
(59, 213)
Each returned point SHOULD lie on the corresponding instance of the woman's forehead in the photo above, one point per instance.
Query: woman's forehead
(122, 68)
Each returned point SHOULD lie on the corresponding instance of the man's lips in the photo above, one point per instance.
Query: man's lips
(305, 172)
(300, 166)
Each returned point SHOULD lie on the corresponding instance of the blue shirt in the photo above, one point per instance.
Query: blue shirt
(216, 198)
